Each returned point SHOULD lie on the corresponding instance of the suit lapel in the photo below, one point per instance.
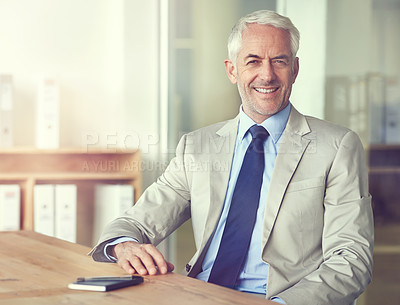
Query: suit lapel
(291, 149)
(221, 155)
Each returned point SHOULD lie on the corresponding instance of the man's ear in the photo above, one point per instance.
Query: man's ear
(295, 69)
(230, 71)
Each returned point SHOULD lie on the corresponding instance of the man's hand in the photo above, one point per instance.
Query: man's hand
(141, 258)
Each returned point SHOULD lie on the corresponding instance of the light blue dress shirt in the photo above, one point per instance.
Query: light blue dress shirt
(253, 278)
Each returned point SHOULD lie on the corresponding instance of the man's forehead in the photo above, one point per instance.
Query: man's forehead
(259, 30)
(260, 37)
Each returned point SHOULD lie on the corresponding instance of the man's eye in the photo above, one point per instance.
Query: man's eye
(251, 62)
(280, 62)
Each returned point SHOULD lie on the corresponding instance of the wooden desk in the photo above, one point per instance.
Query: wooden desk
(36, 269)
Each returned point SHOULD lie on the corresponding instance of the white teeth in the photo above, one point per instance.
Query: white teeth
(262, 90)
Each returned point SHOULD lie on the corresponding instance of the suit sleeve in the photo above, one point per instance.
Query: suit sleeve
(347, 241)
(162, 208)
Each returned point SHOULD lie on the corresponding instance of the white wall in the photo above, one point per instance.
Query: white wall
(214, 97)
(309, 16)
(77, 42)
(94, 48)
(349, 37)
(104, 56)
(141, 80)
(385, 42)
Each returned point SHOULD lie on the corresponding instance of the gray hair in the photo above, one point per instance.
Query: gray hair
(261, 17)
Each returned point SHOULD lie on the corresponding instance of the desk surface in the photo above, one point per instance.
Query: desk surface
(36, 269)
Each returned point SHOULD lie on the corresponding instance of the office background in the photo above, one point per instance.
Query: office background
(139, 74)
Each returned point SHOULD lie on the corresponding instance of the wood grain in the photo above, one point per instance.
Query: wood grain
(36, 269)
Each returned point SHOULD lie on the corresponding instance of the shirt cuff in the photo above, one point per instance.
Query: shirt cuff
(278, 300)
(113, 243)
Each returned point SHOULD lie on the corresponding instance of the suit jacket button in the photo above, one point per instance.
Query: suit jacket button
(188, 267)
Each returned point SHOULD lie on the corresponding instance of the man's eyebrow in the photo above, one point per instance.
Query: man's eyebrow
(252, 56)
(283, 56)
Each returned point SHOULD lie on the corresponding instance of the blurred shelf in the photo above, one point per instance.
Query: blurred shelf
(384, 181)
(384, 170)
(85, 168)
(388, 249)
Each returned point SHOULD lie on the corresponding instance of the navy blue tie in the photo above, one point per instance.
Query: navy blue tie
(242, 213)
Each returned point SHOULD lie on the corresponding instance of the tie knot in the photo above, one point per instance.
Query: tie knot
(259, 132)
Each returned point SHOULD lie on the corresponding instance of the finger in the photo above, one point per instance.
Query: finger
(147, 259)
(127, 254)
(137, 263)
(170, 267)
(125, 265)
(143, 258)
(158, 259)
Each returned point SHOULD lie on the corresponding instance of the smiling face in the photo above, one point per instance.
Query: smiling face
(265, 71)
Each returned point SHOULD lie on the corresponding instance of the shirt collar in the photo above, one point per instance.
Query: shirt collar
(275, 124)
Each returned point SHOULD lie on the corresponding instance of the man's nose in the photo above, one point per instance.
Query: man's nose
(267, 72)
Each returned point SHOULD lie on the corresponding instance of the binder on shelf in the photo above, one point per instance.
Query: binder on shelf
(43, 210)
(10, 207)
(376, 106)
(111, 201)
(6, 111)
(65, 211)
(392, 126)
(47, 115)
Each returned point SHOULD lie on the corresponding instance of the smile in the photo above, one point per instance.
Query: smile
(264, 90)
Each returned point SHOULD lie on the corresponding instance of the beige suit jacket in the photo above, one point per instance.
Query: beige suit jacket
(318, 228)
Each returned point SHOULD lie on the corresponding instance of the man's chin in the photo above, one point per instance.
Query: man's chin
(261, 110)
(269, 111)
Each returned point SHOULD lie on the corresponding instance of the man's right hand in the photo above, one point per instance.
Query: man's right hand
(141, 258)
